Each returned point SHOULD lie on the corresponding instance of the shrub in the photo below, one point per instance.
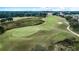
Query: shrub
(2, 30)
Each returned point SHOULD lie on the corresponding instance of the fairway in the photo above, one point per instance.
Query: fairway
(51, 22)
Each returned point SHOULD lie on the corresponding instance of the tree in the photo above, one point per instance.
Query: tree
(68, 18)
(68, 44)
(10, 19)
(3, 20)
(2, 30)
(74, 23)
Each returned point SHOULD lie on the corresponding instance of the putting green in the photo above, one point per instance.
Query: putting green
(21, 32)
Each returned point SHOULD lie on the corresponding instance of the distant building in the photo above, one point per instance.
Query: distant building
(61, 13)
(75, 16)
(49, 13)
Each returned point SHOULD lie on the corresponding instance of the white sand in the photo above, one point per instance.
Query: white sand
(60, 23)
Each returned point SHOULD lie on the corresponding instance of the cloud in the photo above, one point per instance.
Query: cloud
(39, 3)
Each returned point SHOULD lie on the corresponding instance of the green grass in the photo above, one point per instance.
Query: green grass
(21, 32)
(26, 38)
(50, 23)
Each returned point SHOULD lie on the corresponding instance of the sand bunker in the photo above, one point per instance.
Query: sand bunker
(60, 23)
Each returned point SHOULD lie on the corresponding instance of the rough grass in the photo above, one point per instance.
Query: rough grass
(22, 23)
(26, 38)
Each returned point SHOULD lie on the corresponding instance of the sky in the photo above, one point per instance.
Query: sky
(39, 3)
(72, 5)
(39, 9)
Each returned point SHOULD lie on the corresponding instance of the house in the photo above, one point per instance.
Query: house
(61, 14)
(49, 14)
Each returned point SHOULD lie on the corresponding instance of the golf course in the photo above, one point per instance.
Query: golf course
(54, 29)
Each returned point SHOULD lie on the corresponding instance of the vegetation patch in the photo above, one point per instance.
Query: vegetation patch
(22, 23)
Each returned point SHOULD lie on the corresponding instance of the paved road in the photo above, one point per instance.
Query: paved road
(68, 28)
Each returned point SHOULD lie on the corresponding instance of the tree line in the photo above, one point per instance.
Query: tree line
(5, 14)
(74, 22)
